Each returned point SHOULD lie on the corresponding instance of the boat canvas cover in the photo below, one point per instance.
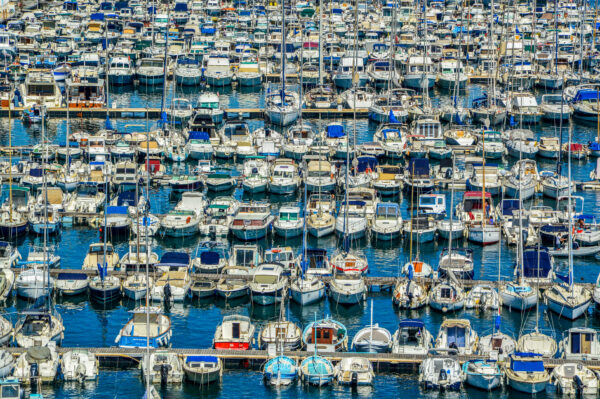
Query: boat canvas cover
(528, 366)
(418, 167)
(174, 259)
(72, 276)
(531, 267)
(586, 95)
(195, 135)
(411, 323)
(335, 131)
(116, 210)
(200, 358)
(209, 258)
(509, 206)
(127, 198)
(365, 163)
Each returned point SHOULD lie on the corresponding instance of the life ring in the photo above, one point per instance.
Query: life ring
(188, 220)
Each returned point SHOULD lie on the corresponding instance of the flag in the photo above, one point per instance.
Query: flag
(411, 272)
(392, 117)
(512, 121)
(497, 322)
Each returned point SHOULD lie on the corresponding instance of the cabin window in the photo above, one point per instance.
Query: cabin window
(235, 330)
(446, 293)
(40, 90)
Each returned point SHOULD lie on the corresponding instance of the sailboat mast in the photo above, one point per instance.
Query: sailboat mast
(320, 43)
(10, 176)
(570, 216)
(45, 194)
(283, 52)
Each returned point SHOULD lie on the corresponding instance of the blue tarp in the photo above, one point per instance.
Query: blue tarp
(116, 210)
(180, 7)
(36, 172)
(97, 16)
(527, 366)
(198, 358)
(366, 162)
(419, 166)
(199, 136)
(530, 263)
(175, 258)
(209, 258)
(508, 206)
(72, 276)
(585, 95)
(335, 131)
(415, 323)
(126, 198)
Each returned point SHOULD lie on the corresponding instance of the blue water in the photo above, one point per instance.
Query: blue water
(194, 322)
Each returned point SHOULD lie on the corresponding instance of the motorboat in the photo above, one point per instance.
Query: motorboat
(38, 364)
(482, 374)
(573, 379)
(580, 343)
(282, 335)
(268, 286)
(483, 297)
(372, 339)
(440, 371)
(202, 369)
(354, 371)
(526, 373)
(411, 338)
(457, 260)
(251, 221)
(79, 365)
(316, 370)
(457, 334)
(148, 326)
(162, 367)
(234, 333)
(71, 283)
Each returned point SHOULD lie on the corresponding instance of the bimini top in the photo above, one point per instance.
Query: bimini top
(411, 323)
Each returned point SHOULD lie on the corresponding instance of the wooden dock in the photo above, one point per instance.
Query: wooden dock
(154, 113)
(374, 283)
(253, 359)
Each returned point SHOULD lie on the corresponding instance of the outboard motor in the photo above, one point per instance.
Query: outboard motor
(167, 292)
(448, 174)
(579, 385)
(443, 375)
(354, 381)
(34, 372)
(164, 374)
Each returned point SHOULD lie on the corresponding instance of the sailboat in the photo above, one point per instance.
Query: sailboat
(39, 327)
(372, 338)
(568, 300)
(519, 295)
(12, 223)
(307, 288)
(283, 107)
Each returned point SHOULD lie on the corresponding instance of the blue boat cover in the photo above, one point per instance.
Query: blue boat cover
(335, 131)
(97, 16)
(72, 276)
(116, 210)
(209, 258)
(3, 244)
(126, 198)
(180, 7)
(530, 263)
(36, 172)
(175, 258)
(194, 135)
(418, 166)
(527, 366)
(366, 162)
(415, 323)
(508, 206)
(199, 358)
(584, 95)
